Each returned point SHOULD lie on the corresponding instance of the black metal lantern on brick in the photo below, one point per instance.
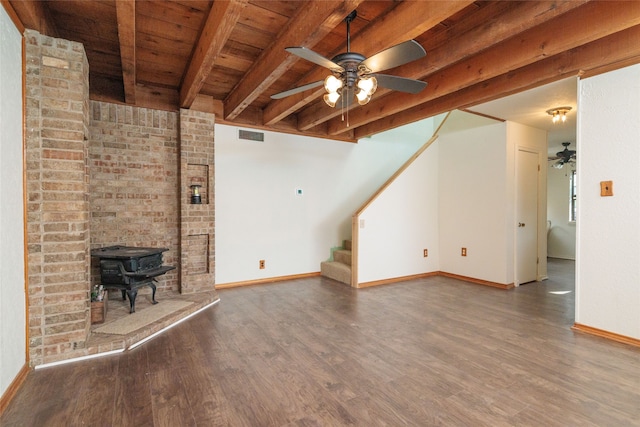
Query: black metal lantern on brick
(196, 199)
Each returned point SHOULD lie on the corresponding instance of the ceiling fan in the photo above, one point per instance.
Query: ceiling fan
(356, 77)
(564, 157)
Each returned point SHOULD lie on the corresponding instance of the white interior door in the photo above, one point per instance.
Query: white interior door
(526, 216)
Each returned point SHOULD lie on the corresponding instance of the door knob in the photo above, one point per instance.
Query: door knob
(521, 224)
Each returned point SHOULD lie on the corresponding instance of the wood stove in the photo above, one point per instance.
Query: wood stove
(128, 268)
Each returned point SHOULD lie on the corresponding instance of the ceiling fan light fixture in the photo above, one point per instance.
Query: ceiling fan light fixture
(558, 114)
(331, 98)
(352, 74)
(367, 86)
(332, 84)
(363, 98)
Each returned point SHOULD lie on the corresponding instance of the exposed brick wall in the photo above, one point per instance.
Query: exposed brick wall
(101, 174)
(134, 193)
(57, 94)
(197, 220)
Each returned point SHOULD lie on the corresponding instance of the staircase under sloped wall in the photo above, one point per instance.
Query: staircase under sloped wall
(345, 261)
(340, 268)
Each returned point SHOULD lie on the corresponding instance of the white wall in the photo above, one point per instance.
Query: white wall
(258, 214)
(472, 199)
(477, 197)
(400, 223)
(562, 236)
(459, 193)
(12, 282)
(608, 228)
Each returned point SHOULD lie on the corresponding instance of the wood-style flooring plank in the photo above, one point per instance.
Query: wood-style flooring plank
(169, 401)
(132, 403)
(93, 402)
(206, 397)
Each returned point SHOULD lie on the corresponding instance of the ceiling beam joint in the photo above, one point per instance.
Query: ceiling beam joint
(218, 26)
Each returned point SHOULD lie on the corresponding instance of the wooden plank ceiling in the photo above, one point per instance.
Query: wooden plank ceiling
(228, 56)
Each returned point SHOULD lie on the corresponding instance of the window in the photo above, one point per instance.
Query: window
(572, 196)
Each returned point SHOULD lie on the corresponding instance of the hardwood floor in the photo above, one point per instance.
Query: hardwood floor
(315, 352)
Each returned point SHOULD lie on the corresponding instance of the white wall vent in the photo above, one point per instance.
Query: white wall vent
(250, 135)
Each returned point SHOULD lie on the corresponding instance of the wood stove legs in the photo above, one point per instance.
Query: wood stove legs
(132, 292)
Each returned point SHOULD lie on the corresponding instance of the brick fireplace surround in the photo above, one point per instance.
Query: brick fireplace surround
(100, 174)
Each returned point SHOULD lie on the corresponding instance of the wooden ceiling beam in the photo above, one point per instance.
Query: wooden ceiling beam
(217, 28)
(126, 17)
(311, 23)
(608, 53)
(35, 15)
(319, 112)
(406, 21)
(585, 24)
(488, 28)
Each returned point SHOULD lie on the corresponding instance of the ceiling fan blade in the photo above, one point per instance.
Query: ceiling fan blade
(395, 56)
(298, 89)
(314, 57)
(401, 84)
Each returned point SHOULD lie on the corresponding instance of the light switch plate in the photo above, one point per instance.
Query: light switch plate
(606, 188)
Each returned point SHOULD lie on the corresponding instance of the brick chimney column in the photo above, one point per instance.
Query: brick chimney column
(57, 105)
(197, 249)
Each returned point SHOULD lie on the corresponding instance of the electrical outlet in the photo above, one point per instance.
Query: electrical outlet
(464, 252)
(261, 264)
(425, 253)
